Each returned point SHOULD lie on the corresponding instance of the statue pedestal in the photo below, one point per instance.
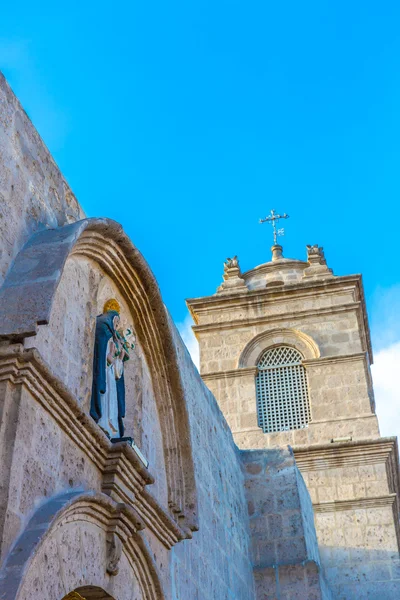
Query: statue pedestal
(131, 442)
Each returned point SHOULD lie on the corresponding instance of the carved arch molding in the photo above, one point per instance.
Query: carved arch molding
(35, 275)
(66, 546)
(277, 337)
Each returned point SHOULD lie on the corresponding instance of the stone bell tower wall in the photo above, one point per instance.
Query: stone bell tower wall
(33, 193)
(326, 322)
(351, 473)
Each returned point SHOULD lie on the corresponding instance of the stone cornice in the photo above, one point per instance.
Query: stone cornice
(300, 315)
(379, 451)
(311, 362)
(334, 455)
(355, 503)
(244, 372)
(304, 289)
(314, 288)
(122, 482)
(124, 475)
(311, 424)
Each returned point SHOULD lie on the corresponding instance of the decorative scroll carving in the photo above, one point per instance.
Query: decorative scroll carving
(114, 551)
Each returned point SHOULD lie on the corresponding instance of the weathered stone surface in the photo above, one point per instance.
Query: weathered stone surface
(352, 474)
(33, 193)
(78, 513)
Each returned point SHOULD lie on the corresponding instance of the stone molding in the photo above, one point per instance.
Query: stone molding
(340, 358)
(117, 520)
(354, 504)
(339, 419)
(342, 454)
(309, 425)
(122, 482)
(300, 315)
(35, 275)
(276, 337)
(124, 475)
(242, 372)
(299, 291)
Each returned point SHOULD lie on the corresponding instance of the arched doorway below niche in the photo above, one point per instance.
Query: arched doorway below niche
(88, 592)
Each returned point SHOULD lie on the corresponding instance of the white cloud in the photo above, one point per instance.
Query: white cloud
(385, 328)
(385, 372)
(384, 308)
(185, 329)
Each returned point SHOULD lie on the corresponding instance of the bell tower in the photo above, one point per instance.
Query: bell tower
(285, 348)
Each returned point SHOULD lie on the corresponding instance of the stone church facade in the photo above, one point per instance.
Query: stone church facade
(264, 478)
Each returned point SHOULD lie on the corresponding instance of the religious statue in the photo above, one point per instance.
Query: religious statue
(111, 351)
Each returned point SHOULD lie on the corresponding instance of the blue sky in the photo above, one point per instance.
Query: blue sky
(188, 121)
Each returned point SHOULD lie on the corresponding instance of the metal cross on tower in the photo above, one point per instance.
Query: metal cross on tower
(272, 218)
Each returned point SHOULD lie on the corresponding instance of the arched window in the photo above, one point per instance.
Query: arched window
(282, 391)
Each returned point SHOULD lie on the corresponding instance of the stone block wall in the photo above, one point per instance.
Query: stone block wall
(33, 193)
(325, 323)
(216, 563)
(284, 543)
(47, 460)
(354, 492)
(50, 447)
(341, 403)
(221, 346)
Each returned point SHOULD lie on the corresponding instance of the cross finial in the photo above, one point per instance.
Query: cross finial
(272, 218)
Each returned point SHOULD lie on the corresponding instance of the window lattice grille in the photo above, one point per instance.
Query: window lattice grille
(282, 391)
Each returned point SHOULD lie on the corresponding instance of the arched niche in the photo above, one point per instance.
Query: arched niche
(64, 549)
(66, 344)
(277, 337)
(28, 296)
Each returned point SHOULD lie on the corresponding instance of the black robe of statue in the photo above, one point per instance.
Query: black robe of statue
(104, 331)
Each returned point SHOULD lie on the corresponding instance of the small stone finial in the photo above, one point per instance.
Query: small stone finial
(231, 263)
(276, 252)
(232, 280)
(317, 261)
(316, 255)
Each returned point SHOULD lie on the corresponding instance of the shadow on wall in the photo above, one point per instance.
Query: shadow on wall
(359, 573)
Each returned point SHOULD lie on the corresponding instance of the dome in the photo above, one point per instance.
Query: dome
(278, 271)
